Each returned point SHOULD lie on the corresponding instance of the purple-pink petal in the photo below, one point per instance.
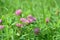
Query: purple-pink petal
(36, 30)
(1, 26)
(27, 21)
(34, 19)
(23, 19)
(30, 20)
(19, 25)
(0, 21)
(18, 12)
(47, 20)
(31, 17)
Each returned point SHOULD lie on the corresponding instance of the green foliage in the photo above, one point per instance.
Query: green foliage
(41, 9)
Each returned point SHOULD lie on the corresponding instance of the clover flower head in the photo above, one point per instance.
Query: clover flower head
(1, 26)
(0, 21)
(18, 12)
(36, 30)
(19, 25)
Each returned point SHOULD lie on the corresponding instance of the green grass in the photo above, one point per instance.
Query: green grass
(41, 9)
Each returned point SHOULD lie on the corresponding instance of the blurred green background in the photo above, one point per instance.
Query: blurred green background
(41, 9)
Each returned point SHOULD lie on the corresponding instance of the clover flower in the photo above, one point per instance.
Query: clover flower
(19, 25)
(31, 17)
(47, 20)
(24, 20)
(1, 26)
(36, 30)
(0, 21)
(18, 12)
